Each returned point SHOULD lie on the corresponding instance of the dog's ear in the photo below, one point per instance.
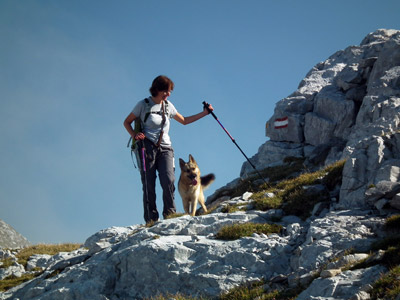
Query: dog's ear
(191, 159)
(181, 163)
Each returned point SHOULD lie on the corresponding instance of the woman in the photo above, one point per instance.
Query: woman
(155, 113)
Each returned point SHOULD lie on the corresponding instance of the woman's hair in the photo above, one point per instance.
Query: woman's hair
(161, 83)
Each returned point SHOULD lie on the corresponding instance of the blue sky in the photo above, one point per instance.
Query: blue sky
(71, 71)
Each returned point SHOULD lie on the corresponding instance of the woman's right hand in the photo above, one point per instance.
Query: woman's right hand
(140, 136)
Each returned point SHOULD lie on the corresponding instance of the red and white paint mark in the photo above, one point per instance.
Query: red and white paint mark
(281, 123)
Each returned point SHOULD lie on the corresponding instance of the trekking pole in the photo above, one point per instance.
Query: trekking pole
(143, 151)
(206, 105)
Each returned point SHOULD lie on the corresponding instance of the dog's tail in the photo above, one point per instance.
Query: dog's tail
(206, 180)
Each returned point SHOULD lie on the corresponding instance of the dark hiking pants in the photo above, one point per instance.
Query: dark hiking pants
(161, 160)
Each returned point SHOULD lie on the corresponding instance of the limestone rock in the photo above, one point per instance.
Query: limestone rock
(9, 238)
(352, 97)
(343, 286)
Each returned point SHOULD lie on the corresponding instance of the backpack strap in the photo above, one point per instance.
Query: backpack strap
(148, 107)
(148, 110)
(164, 108)
(164, 118)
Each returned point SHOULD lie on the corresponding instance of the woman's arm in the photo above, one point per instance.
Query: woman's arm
(128, 126)
(187, 120)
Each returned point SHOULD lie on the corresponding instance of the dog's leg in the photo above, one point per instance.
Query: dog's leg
(186, 205)
(194, 207)
(201, 201)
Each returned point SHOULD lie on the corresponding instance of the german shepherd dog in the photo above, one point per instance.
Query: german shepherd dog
(191, 185)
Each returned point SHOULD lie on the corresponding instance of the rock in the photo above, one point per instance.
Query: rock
(167, 252)
(348, 260)
(330, 273)
(361, 295)
(15, 270)
(272, 153)
(9, 238)
(328, 236)
(395, 202)
(4, 254)
(343, 286)
(38, 261)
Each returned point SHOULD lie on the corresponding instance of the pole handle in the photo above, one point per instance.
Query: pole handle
(207, 106)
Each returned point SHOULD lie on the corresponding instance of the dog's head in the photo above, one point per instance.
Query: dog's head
(190, 171)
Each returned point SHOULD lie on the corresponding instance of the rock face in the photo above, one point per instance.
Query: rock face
(9, 238)
(346, 108)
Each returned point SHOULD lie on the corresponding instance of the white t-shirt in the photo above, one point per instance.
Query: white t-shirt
(152, 127)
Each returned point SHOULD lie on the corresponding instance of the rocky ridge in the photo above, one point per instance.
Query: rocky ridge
(347, 107)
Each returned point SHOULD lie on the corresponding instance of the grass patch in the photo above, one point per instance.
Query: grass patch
(292, 167)
(25, 253)
(262, 202)
(393, 223)
(237, 231)
(12, 281)
(292, 196)
(256, 290)
(245, 292)
(333, 175)
(388, 286)
(23, 256)
(392, 257)
(7, 262)
(176, 297)
(174, 215)
(386, 243)
(300, 202)
(233, 208)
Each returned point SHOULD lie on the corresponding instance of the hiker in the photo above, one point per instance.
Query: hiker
(155, 113)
